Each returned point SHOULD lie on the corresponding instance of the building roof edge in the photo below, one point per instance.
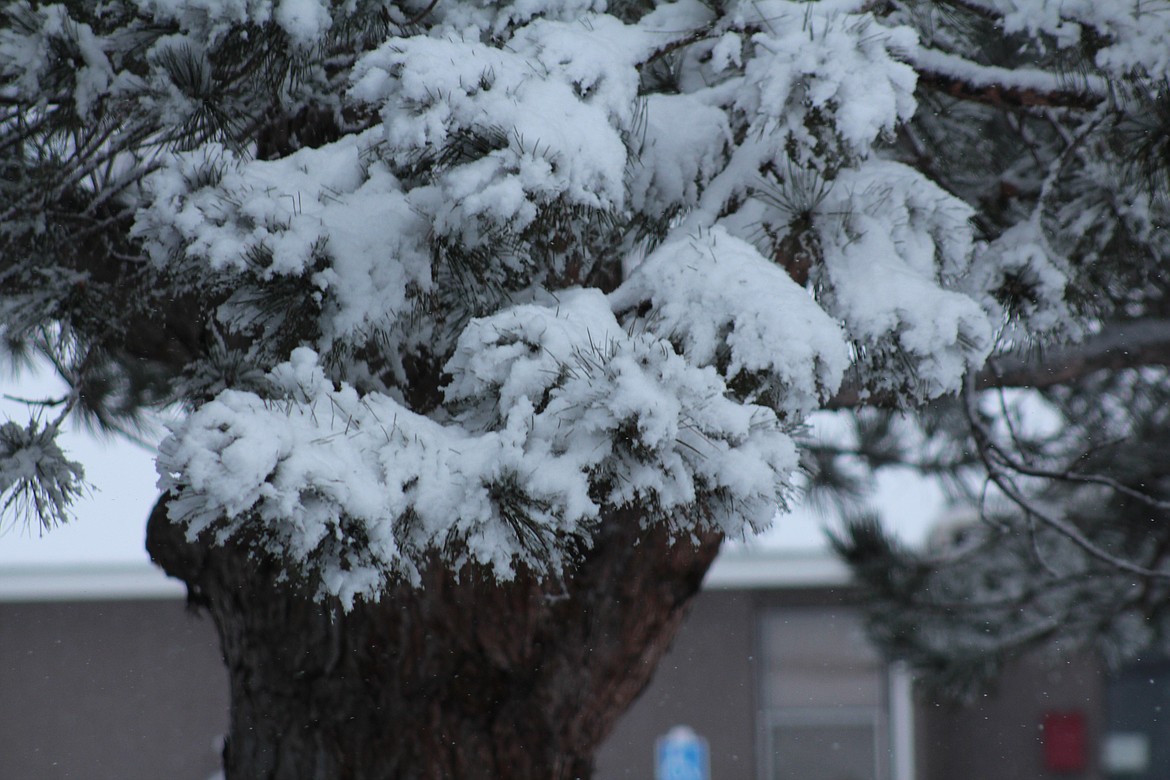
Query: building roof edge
(745, 569)
(734, 569)
(113, 582)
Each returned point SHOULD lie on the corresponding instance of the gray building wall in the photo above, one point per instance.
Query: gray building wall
(135, 690)
(707, 681)
(1000, 735)
(109, 690)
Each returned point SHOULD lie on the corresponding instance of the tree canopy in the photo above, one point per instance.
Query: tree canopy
(459, 280)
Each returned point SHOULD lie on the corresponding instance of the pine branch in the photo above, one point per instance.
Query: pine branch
(421, 15)
(1002, 87)
(976, 8)
(1004, 479)
(1117, 346)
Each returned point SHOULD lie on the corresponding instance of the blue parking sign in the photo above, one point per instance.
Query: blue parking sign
(682, 755)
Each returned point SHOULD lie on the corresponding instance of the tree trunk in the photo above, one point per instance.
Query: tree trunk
(459, 678)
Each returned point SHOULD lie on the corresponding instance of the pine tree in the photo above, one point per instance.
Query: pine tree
(1063, 542)
(490, 322)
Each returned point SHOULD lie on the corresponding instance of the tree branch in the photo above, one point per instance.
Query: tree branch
(996, 86)
(1116, 346)
(1004, 480)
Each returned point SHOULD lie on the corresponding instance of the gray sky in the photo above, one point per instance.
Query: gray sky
(110, 523)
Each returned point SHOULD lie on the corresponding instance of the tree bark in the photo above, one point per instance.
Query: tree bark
(458, 678)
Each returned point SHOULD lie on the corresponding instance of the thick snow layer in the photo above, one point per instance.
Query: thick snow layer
(893, 244)
(817, 77)
(330, 213)
(564, 414)
(732, 165)
(304, 21)
(682, 146)
(550, 113)
(1132, 34)
(821, 89)
(751, 310)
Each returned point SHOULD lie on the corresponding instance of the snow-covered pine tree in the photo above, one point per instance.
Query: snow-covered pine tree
(490, 321)
(1066, 540)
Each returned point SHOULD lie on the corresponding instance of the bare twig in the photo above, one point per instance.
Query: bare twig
(1002, 480)
(423, 14)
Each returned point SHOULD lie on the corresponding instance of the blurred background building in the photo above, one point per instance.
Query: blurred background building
(105, 675)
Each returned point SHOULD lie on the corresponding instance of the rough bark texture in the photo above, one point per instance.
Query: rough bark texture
(460, 678)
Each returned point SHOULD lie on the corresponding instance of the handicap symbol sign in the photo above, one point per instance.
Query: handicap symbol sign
(682, 755)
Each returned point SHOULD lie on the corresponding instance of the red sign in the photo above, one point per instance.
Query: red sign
(1064, 742)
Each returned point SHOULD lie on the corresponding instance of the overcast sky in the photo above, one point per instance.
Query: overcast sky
(109, 525)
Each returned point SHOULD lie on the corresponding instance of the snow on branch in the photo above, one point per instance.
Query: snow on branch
(559, 415)
(333, 215)
(1124, 38)
(747, 323)
(896, 247)
(1026, 87)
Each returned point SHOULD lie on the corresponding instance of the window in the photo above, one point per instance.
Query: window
(1136, 744)
(823, 697)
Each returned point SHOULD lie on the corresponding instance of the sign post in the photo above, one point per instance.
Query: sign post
(682, 755)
